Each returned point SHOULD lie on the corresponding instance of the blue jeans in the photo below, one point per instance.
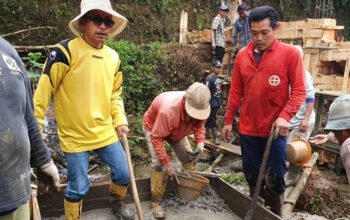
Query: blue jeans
(77, 169)
(252, 153)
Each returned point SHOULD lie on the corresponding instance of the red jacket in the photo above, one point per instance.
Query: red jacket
(274, 88)
(166, 120)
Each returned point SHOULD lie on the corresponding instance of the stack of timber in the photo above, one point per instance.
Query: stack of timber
(326, 56)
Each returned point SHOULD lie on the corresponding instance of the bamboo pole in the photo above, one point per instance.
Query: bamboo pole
(290, 202)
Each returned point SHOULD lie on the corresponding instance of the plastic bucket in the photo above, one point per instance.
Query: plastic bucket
(191, 185)
(298, 152)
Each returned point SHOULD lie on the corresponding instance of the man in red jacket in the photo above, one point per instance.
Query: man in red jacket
(268, 80)
(171, 117)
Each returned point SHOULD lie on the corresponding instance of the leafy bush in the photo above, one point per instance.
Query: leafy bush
(138, 64)
(33, 65)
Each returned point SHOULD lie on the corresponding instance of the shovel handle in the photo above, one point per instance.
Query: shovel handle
(132, 177)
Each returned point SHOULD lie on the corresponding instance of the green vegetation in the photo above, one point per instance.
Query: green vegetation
(139, 149)
(316, 203)
(138, 65)
(234, 179)
(33, 66)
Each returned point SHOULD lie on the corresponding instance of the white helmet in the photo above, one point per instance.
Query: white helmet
(339, 114)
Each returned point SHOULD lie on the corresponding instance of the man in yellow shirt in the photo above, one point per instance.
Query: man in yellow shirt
(83, 75)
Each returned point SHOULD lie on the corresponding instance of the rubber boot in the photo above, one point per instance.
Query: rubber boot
(72, 210)
(119, 208)
(275, 202)
(215, 136)
(190, 166)
(158, 185)
(207, 133)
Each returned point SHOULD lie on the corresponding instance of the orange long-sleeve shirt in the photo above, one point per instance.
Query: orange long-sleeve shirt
(166, 120)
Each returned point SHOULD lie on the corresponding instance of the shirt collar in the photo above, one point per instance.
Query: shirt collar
(251, 47)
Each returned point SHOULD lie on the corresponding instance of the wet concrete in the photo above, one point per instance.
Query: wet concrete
(209, 206)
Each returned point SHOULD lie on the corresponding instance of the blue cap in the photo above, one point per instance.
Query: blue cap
(217, 63)
(224, 8)
(242, 7)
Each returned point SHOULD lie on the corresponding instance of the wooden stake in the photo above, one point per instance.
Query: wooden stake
(183, 27)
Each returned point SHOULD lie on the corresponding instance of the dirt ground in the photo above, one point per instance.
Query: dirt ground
(326, 194)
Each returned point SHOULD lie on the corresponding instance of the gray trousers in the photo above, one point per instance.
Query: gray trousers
(180, 147)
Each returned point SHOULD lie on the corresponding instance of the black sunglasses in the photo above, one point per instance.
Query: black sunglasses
(97, 20)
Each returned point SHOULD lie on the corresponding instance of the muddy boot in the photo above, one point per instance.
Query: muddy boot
(215, 136)
(158, 185)
(119, 208)
(207, 133)
(274, 201)
(72, 210)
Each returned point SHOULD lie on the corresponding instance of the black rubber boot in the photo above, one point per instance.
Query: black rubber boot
(275, 202)
(215, 136)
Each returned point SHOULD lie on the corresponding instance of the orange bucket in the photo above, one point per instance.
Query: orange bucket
(190, 185)
(298, 152)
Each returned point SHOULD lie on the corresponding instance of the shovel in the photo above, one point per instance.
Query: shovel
(132, 177)
(251, 210)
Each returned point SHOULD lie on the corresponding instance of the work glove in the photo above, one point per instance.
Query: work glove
(196, 154)
(51, 171)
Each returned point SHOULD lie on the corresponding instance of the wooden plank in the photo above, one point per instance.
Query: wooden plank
(346, 75)
(225, 147)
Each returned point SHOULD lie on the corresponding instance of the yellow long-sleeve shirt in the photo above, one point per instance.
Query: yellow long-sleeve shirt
(86, 84)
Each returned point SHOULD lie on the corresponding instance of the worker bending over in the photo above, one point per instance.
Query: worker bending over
(339, 125)
(171, 117)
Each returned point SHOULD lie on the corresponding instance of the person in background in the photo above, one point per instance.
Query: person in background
(84, 76)
(213, 82)
(21, 145)
(171, 117)
(218, 39)
(301, 125)
(268, 80)
(339, 125)
(241, 27)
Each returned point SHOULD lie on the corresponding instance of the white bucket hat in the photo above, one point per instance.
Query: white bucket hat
(197, 101)
(103, 5)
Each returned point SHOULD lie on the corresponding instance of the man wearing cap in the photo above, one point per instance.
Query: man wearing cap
(339, 125)
(83, 75)
(218, 39)
(21, 145)
(213, 82)
(241, 27)
(171, 117)
(268, 80)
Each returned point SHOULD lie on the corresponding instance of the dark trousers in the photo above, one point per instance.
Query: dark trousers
(211, 121)
(252, 153)
(219, 53)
